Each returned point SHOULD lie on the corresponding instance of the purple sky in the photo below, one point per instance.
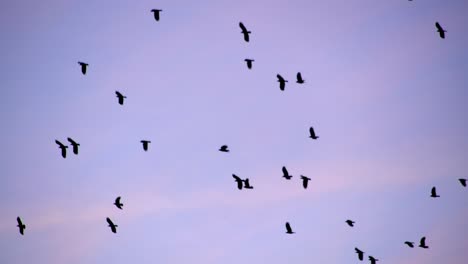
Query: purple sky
(386, 95)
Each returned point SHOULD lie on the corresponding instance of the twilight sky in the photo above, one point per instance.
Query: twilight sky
(386, 95)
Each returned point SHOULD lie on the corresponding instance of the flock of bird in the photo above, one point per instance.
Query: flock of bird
(241, 183)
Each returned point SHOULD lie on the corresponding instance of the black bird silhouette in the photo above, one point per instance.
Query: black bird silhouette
(305, 181)
(312, 133)
(440, 30)
(20, 225)
(463, 182)
(410, 244)
(299, 78)
(249, 63)
(118, 203)
(247, 184)
(360, 253)
(121, 97)
(245, 32)
(289, 229)
(422, 243)
(112, 225)
(84, 66)
(145, 144)
(238, 180)
(156, 13)
(282, 82)
(350, 223)
(373, 260)
(433, 193)
(286, 173)
(63, 148)
(224, 148)
(74, 145)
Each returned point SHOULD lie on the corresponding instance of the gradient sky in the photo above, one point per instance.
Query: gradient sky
(386, 95)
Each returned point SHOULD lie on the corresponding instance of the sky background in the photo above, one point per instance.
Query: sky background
(386, 95)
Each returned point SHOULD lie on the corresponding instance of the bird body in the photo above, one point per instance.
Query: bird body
(299, 78)
(463, 182)
(63, 148)
(286, 173)
(112, 225)
(360, 253)
(118, 203)
(247, 184)
(145, 144)
(74, 145)
(238, 181)
(281, 81)
(120, 97)
(245, 32)
(410, 244)
(312, 133)
(350, 223)
(422, 243)
(156, 13)
(249, 63)
(305, 181)
(373, 260)
(224, 148)
(440, 30)
(289, 229)
(434, 193)
(84, 66)
(20, 225)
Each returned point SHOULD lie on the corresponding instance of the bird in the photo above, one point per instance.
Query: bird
(112, 225)
(373, 260)
(422, 243)
(440, 30)
(156, 13)
(433, 193)
(312, 133)
(20, 225)
(286, 173)
(350, 223)
(238, 180)
(118, 203)
(63, 148)
(305, 181)
(299, 78)
(360, 253)
(245, 32)
(247, 184)
(224, 148)
(410, 244)
(84, 66)
(249, 63)
(145, 144)
(74, 145)
(121, 97)
(463, 182)
(282, 82)
(289, 229)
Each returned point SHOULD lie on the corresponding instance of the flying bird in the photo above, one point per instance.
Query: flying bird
(145, 144)
(118, 203)
(299, 78)
(238, 180)
(373, 260)
(463, 182)
(156, 13)
(422, 243)
(74, 145)
(247, 184)
(440, 30)
(433, 193)
(289, 229)
(112, 225)
(249, 63)
(350, 223)
(312, 133)
(120, 97)
(224, 148)
(84, 66)
(282, 82)
(20, 225)
(360, 253)
(63, 148)
(305, 181)
(245, 32)
(286, 173)
(410, 244)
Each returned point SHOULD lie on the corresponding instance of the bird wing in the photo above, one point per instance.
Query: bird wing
(299, 76)
(59, 143)
(312, 132)
(18, 219)
(117, 201)
(288, 227)
(244, 29)
(237, 178)
(423, 241)
(109, 221)
(433, 191)
(118, 94)
(71, 141)
(285, 171)
(280, 78)
(463, 182)
(438, 26)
